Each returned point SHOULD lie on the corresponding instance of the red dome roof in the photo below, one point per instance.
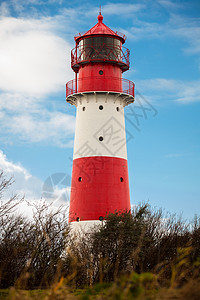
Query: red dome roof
(100, 29)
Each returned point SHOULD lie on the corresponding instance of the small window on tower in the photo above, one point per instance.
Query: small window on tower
(117, 108)
(80, 179)
(77, 219)
(83, 108)
(100, 107)
(121, 179)
(101, 72)
(100, 138)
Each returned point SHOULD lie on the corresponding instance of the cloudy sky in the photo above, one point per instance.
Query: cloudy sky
(37, 126)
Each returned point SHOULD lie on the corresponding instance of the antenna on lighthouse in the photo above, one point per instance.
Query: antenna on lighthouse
(100, 9)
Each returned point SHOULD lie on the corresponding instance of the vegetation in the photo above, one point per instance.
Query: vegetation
(143, 254)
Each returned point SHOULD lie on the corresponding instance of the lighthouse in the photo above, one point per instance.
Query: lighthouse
(100, 183)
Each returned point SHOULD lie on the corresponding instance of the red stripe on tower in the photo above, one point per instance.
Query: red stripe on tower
(100, 173)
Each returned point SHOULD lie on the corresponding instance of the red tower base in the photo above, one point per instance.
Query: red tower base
(99, 187)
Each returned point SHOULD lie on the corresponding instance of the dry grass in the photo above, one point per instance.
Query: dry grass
(143, 255)
(139, 287)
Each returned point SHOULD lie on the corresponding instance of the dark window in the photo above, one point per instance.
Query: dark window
(80, 179)
(121, 179)
(117, 108)
(101, 72)
(83, 108)
(101, 138)
(100, 48)
(77, 219)
(100, 218)
(100, 107)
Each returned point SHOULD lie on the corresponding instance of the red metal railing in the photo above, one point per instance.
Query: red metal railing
(121, 34)
(104, 52)
(120, 85)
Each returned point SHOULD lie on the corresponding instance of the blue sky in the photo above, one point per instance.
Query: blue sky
(37, 126)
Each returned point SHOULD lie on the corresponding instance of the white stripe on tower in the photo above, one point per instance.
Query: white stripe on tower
(100, 127)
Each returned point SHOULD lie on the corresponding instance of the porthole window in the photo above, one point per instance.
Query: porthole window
(80, 179)
(77, 219)
(121, 179)
(117, 108)
(100, 138)
(100, 218)
(83, 108)
(100, 107)
(100, 72)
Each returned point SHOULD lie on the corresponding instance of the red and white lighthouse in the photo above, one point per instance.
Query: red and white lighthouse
(100, 182)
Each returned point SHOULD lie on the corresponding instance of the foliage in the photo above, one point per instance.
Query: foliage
(31, 251)
(143, 254)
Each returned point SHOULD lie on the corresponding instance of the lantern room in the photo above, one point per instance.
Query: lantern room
(99, 59)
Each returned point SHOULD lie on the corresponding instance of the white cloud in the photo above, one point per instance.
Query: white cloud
(109, 10)
(4, 9)
(169, 4)
(24, 182)
(33, 59)
(145, 30)
(121, 8)
(177, 90)
(34, 123)
(15, 102)
(186, 29)
(192, 35)
(56, 188)
(34, 64)
(12, 168)
(31, 187)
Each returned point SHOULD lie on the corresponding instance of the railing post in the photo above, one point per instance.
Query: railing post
(76, 53)
(76, 82)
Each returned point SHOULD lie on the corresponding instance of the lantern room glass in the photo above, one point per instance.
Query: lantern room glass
(100, 47)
